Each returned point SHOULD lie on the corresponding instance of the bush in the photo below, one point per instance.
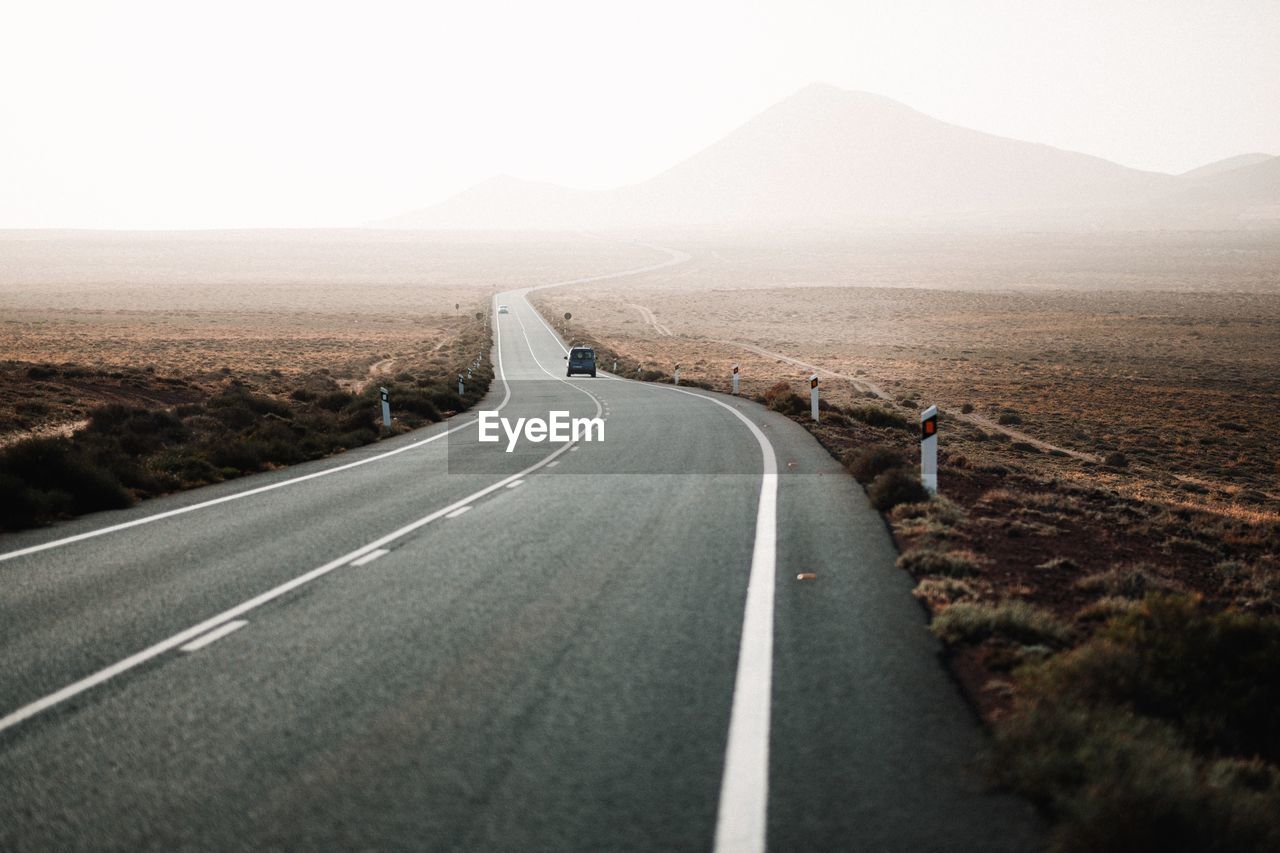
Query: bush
(893, 487)
(1115, 459)
(335, 401)
(780, 398)
(1156, 734)
(1118, 783)
(879, 416)
(973, 622)
(867, 463)
(1008, 419)
(47, 477)
(952, 564)
(1132, 582)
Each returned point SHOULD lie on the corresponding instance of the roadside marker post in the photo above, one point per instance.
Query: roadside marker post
(735, 380)
(386, 407)
(929, 450)
(615, 365)
(461, 387)
(813, 396)
(677, 374)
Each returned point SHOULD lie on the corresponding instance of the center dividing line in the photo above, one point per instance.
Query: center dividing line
(370, 557)
(214, 636)
(160, 516)
(183, 637)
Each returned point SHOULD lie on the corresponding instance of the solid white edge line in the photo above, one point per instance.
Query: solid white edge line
(515, 484)
(742, 813)
(214, 635)
(370, 557)
(460, 510)
(160, 516)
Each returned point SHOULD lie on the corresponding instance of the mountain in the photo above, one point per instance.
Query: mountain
(827, 157)
(1211, 170)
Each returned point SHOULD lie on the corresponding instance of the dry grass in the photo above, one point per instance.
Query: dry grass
(162, 319)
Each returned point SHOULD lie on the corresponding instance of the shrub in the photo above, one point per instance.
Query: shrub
(878, 416)
(48, 477)
(952, 564)
(973, 622)
(967, 408)
(942, 590)
(1133, 581)
(335, 401)
(1119, 782)
(893, 487)
(780, 398)
(1008, 419)
(867, 463)
(1107, 734)
(1115, 459)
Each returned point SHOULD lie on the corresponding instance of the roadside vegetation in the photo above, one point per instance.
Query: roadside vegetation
(236, 425)
(1121, 641)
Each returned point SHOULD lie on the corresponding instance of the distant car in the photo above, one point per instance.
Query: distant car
(502, 309)
(581, 360)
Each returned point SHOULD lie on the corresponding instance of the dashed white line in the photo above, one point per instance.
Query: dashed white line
(214, 635)
(370, 557)
(460, 510)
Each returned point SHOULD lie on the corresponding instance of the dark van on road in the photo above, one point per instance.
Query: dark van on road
(581, 360)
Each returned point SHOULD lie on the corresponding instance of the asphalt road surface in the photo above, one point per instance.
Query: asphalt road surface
(432, 644)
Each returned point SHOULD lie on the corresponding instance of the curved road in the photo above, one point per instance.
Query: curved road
(432, 644)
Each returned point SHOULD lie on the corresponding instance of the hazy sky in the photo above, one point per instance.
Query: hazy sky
(178, 114)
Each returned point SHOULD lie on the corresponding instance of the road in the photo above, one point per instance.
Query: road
(432, 644)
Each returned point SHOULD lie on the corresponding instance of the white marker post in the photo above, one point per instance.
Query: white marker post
(461, 387)
(386, 408)
(813, 397)
(735, 380)
(677, 374)
(929, 450)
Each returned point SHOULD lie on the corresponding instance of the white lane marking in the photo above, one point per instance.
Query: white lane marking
(107, 673)
(742, 815)
(676, 258)
(160, 516)
(575, 447)
(153, 651)
(460, 510)
(554, 464)
(515, 484)
(370, 557)
(214, 636)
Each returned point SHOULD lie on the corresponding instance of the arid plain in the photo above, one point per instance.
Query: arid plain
(161, 319)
